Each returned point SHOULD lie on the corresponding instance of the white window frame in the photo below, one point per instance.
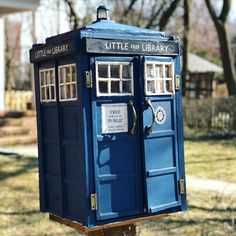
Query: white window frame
(45, 85)
(109, 79)
(67, 83)
(156, 79)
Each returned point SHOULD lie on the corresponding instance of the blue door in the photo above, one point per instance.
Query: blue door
(116, 137)
(160, 134)
(134, 135)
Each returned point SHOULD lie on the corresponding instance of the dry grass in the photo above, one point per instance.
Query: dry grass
(208, 214)
(215, 159)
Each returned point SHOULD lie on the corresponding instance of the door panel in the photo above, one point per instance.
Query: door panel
(159, 144)
(116, 149)
(118, 153)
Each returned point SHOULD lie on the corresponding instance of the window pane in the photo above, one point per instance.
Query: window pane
(52, 93)
(42, 77)
(73, 91)
(62, 91)
(103, 71)
(169, 86)
(47, 93)
(73, 73)
(103, 87)
(68, 91)
(160, 86)
(150, 72)
(159, 71)
(151, 86)
(43, 93)
(51, 77)
(115, 86)
(48, 77)
(67, 73)
(115, 71)
(126, 87)
(62, 79)
(126, 73)
(167, 71)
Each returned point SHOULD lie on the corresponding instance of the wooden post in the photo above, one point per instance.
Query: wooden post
(127, 230)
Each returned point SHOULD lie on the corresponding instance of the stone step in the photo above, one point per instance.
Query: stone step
(10, 122)
(17, 140)
(13, 130)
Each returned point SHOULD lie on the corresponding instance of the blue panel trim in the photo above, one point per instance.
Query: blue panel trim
(159, 59)
(108, 177)
(101, 138)
(180, 132)
(163, 207)
(110, 215)
(159, 134)
(40, 140)
(155, 172)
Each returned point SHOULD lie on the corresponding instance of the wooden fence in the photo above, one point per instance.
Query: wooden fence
(215, 117)
(18, 100)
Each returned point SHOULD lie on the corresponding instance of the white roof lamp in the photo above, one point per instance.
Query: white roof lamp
(102, 13)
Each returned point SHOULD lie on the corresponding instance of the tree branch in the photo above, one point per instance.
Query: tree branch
(129, 8)
(225, 10)
(211, 11)
(167, 14)
(73, 15)
(154, 17)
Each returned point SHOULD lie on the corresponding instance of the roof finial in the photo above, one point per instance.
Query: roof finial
(102, 13)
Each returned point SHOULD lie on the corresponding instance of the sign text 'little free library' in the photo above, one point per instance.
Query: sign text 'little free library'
(118, 46)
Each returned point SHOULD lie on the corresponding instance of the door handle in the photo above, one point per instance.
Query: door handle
(149, 128)
(133, 129)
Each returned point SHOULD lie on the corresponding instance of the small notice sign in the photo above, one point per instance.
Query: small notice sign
(114, 118)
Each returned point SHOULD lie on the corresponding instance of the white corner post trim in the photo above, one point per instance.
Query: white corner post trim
(2, 65)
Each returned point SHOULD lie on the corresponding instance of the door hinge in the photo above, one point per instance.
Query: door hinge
(181, 186)
(88, 79)
(93, 198)
(177, 82)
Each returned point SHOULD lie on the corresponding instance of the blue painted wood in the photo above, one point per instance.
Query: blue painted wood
(160, 151)
(133, 175)
(116, 160)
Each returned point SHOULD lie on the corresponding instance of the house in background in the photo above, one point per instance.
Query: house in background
(201, 81)
(10, 7)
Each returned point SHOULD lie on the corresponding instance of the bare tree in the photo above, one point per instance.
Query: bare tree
(185, 41)
(12, 53)
(225, 43)
(73, 16)
(148, 14)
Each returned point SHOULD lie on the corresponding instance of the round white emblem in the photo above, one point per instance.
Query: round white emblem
(160, 115)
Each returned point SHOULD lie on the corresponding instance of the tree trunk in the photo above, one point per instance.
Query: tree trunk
(226, 57)
(185, 45)
(225, 44)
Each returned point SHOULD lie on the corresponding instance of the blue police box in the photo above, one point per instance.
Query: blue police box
(109, 115)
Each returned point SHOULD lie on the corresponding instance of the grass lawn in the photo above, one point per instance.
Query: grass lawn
(215, 159)
(208, 214)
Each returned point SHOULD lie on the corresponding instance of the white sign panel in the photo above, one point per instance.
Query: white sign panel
(114, 118)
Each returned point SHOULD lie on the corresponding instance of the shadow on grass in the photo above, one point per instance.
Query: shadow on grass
(207, 161)
(32, 212)
(215, 209)
(26, 164)
(169, 223)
